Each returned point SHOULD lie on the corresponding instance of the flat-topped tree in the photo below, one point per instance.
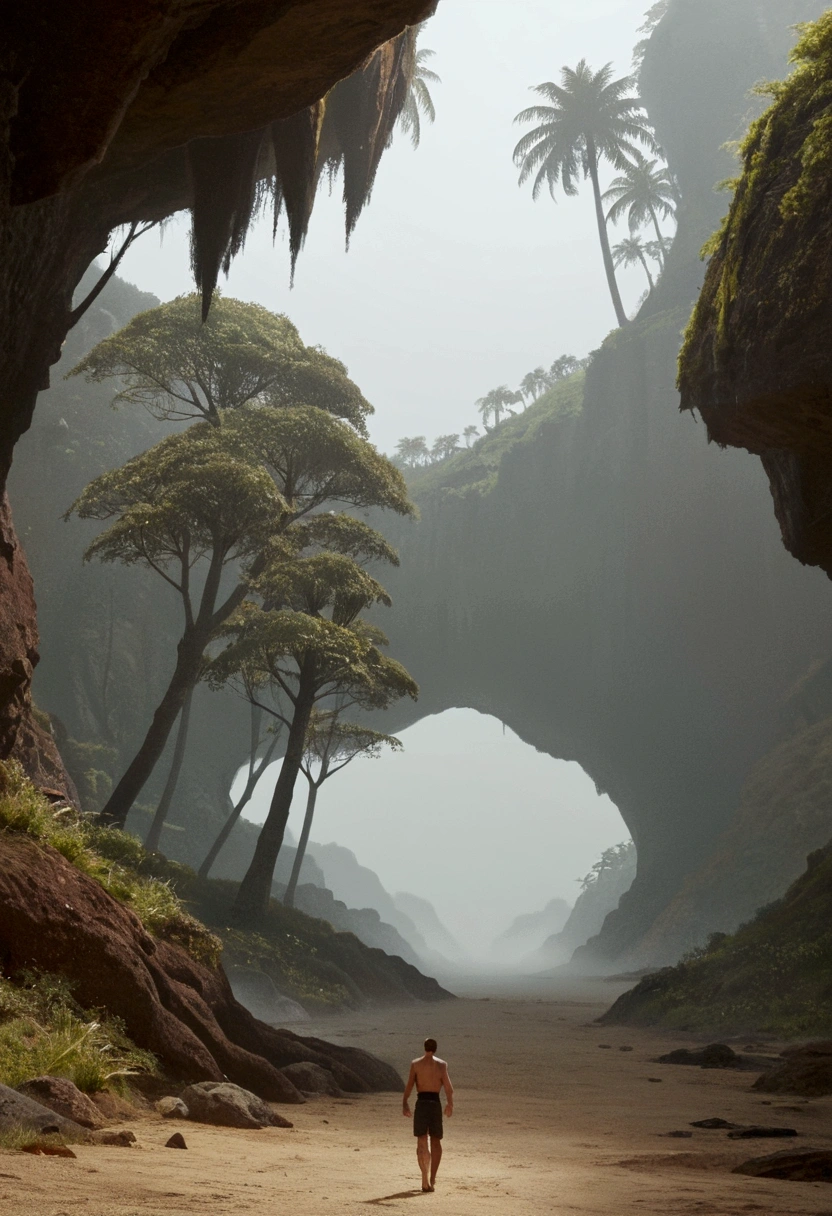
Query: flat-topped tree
(180, 367)
(331, 744)
(300, 459)
(311, 648)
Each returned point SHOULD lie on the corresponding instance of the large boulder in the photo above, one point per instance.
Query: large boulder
(19, 1110)
(227, 1105)
(312, 1079)
(805, 1070)
(63, 1097)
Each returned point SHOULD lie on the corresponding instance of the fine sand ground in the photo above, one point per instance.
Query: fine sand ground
(547, 1121)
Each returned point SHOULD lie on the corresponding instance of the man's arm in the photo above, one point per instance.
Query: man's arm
(449, 1091)
(408, 1089)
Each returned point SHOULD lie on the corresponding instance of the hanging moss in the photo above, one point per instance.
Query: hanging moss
(348, 129)
(223, 173)
(772, 260)
(295, 144)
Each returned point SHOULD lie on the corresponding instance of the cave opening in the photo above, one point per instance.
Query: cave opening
(468, 817)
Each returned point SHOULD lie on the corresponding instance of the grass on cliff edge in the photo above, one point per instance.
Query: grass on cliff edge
(44, 1032)
(774, 975)
(110, 857)
(305, 958)
(475, 470)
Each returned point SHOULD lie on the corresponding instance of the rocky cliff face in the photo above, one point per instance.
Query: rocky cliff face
(756, 363)
(614, 589)
(594, 574)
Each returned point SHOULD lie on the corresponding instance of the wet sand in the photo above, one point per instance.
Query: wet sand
(547, 1122)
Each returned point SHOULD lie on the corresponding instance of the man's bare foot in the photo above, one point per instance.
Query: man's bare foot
(427, 1189)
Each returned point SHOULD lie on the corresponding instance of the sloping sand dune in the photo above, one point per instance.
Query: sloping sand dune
(547, 1122)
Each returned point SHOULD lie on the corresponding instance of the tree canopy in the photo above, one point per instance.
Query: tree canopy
(179, 367)
(309, 646)
(418, 100)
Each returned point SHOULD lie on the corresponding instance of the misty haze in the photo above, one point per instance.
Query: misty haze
(415, 632)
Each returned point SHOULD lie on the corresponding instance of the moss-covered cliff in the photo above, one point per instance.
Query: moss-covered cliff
(756, 363)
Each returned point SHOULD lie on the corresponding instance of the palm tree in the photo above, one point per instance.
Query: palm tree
(644, 191)
(534, 383)
(413, 452)
(631, 251)
(470, 433)
(563, 367)
(590, 118)
(419, 98)
(497, 402)
(444, 447)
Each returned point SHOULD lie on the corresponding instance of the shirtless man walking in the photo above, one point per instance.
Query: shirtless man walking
(429, 1074)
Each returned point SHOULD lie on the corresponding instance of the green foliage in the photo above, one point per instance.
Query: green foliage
(781, 195)
(643, 192)
(773, 975)
(474, 470)
(178, 367)
(188, 498)
(612, 859)
(419, 100)
(90, 765)
(111, 857)
(315, 458)
(43, 1031)
(589, 117)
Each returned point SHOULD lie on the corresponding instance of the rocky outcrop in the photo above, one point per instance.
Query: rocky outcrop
(20, 1110)
(226, 1105)
(65, 1098)
(773, 975)
(756, 363)
(54, 918)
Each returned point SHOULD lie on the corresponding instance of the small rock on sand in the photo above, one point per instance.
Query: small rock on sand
(713, 1124)
(122, 1139)
(803, 1165)
(177, 1140)
(761, 1133)
(172, 1108)
(40, 1148)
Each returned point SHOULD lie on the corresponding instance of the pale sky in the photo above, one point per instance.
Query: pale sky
(506, 828)
(456, 281)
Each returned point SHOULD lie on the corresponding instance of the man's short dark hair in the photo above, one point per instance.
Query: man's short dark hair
(430, 1044)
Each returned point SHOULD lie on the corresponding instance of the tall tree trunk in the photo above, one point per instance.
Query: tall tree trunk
(255, 772)
(154, 836)
(289, 897)
(255, 889)
(185, 675)
(659, 236)
(603, 235)
(647, 270)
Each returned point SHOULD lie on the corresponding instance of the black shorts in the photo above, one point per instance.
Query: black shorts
(427, 1118)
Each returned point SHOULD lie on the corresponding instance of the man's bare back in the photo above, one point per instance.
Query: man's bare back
(429, 1075)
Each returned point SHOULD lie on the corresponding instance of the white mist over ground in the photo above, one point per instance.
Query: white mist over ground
(467, 816)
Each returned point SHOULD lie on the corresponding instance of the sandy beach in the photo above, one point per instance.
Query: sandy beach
(547, 1121)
